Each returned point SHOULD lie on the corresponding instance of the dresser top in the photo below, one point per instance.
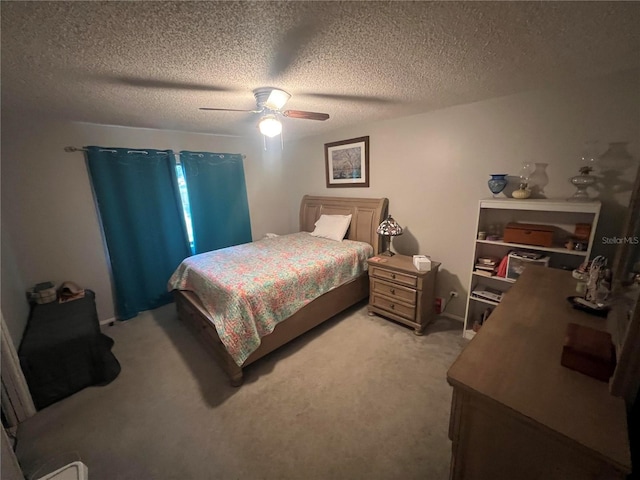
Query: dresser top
(515, 360)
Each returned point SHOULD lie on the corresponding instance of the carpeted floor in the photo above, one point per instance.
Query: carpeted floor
(359, 397)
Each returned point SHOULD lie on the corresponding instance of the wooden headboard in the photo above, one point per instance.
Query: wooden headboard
(367, 214)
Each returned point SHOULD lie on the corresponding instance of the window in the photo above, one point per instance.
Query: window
(186, 210)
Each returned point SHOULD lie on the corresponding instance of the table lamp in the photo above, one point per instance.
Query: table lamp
(389, 228)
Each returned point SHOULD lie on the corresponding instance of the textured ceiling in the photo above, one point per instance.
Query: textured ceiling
(152, 64)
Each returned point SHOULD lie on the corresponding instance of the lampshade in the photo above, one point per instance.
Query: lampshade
(277, 99)
(270, 126)
(389, 228)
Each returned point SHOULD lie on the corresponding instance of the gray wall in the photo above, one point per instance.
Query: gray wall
(50, 229)
(15, 308)
(433, 167)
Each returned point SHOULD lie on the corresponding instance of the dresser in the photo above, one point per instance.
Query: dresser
(517, 413)
(400, 292)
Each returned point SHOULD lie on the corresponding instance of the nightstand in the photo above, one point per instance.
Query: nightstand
(400, 292)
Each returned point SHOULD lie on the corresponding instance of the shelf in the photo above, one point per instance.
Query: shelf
(542, 205)
(564, 251)
(494, 214)
(495, 277)
(484, 300)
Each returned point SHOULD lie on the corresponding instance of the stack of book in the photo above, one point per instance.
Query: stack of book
(486, 266)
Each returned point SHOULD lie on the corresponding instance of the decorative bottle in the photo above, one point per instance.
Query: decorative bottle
(588, 162)
(582, 182)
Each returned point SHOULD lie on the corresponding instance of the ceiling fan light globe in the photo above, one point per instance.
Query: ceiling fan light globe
(277, 99)
(270, 126)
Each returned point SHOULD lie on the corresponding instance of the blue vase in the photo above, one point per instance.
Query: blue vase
(497, 182)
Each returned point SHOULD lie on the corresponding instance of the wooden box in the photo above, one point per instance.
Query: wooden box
(589, 351)
(529, 234)
(582, 231)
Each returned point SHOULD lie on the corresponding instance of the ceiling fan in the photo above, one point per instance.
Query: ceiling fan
(269, 103)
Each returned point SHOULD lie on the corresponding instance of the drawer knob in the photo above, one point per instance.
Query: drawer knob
(393, 291)
(393, 275)
(393, 306)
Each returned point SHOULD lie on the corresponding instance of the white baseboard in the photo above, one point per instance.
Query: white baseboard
(108, 321)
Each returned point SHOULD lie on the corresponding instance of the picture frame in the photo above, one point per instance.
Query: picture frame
(347, 163)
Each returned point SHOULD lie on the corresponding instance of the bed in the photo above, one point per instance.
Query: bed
(366, 215)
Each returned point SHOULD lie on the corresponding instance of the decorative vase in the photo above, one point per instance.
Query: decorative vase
(582, 182)
(522, 192)
(497, 182)
(539, 178)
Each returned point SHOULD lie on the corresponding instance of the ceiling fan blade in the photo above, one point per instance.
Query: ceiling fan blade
(290, 46)
(348, 98)
(229, 110)
(305, 115)
(167, 84)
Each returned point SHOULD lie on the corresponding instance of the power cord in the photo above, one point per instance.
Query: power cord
(446, 304)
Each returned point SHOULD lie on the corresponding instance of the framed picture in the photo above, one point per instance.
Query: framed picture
(347, 163)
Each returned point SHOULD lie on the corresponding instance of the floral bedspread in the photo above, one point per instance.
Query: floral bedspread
(249, 288)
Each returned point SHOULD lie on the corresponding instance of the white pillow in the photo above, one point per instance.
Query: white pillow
(333, 227)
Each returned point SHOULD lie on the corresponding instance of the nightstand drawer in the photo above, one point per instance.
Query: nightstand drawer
(392, 306)
(403, 278)
(394, 290)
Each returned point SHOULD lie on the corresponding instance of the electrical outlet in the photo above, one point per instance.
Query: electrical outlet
(453, 294)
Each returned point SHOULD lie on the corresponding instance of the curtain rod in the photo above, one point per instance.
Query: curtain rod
(79, 149)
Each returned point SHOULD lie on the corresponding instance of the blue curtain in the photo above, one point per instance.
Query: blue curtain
(217, 199)
(144, 228)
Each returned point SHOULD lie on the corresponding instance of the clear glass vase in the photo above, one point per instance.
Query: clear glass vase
(538, 179)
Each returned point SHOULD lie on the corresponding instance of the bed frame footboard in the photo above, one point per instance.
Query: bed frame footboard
(193, 314)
